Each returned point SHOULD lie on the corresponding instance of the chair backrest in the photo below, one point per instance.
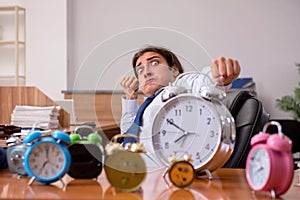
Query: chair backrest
(250, 117)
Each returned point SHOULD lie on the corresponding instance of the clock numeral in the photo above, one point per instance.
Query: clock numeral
(177, 112)
(163, 132)
(207, 147)
(36, 154)
(57, 153)
(197, 157)
(200, 111)
(170, 121)
(167, 145)
(212, 134)
(60, 159)
(53, 171)
(208, 121)
(189, 108)
(40, 148)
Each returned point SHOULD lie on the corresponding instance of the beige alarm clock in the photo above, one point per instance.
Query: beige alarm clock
(124, 166)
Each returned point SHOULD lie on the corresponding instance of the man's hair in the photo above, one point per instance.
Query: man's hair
(170, 57)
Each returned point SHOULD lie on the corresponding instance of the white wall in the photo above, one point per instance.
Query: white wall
(46, 44)
(263, 35)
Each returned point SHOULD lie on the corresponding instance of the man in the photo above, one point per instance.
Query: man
(155, 68)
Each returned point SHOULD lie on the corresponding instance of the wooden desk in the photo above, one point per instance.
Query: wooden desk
(227, 184)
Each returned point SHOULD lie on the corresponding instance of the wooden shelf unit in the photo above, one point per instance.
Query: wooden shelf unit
(16, 43)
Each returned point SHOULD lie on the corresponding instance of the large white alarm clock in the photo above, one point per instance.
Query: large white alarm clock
(198, 125)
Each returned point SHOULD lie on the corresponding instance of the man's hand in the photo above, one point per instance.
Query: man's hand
(130, 86)
(224, 70)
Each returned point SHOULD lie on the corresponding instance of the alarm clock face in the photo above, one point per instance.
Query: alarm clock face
(47, 160)
(181, 174)
(15, 155)
(125, 170)
(187, 124)
(258, 168)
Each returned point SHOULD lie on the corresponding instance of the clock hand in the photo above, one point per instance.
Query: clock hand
(43, 166)
(182, 136)
(172, 123)
(47, 153)
(261, 168)
(45, 163)
(185, 133)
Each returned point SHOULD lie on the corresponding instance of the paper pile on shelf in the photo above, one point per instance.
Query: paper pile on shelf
(36, 116)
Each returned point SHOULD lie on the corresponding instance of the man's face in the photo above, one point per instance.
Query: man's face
(153, 72)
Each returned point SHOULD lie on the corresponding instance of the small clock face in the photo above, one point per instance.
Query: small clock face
(16, 157)
(258, 167)
(46, 161)
(187, 124)
(181, 174)
(125, 170)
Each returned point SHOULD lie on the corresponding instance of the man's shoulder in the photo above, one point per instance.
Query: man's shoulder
(203, 71)
(186, 76)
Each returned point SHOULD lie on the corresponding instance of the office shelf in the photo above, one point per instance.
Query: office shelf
(13, 42)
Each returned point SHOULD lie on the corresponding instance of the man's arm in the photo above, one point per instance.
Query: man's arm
(129, 109)
(224, 70)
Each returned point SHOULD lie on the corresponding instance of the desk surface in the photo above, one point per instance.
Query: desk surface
(227, 184)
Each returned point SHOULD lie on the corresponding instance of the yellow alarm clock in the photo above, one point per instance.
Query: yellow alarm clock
(124, 166)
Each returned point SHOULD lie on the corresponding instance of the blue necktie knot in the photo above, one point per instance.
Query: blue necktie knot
(138, 120)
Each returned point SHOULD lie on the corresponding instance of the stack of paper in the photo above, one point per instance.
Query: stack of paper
(35, 116)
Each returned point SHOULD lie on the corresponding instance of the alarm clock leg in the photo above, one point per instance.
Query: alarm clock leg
(31, 181)
(208, 173)
(201, 174)
(272, 193)
(298, 174)
(164, 177)
(64, 186)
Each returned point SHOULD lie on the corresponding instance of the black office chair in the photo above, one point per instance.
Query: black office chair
(250, 117)
(290, 128)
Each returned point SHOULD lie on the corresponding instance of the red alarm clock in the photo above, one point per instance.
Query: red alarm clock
(269, 165)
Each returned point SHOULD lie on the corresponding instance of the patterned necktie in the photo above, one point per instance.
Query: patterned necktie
(138, 120)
